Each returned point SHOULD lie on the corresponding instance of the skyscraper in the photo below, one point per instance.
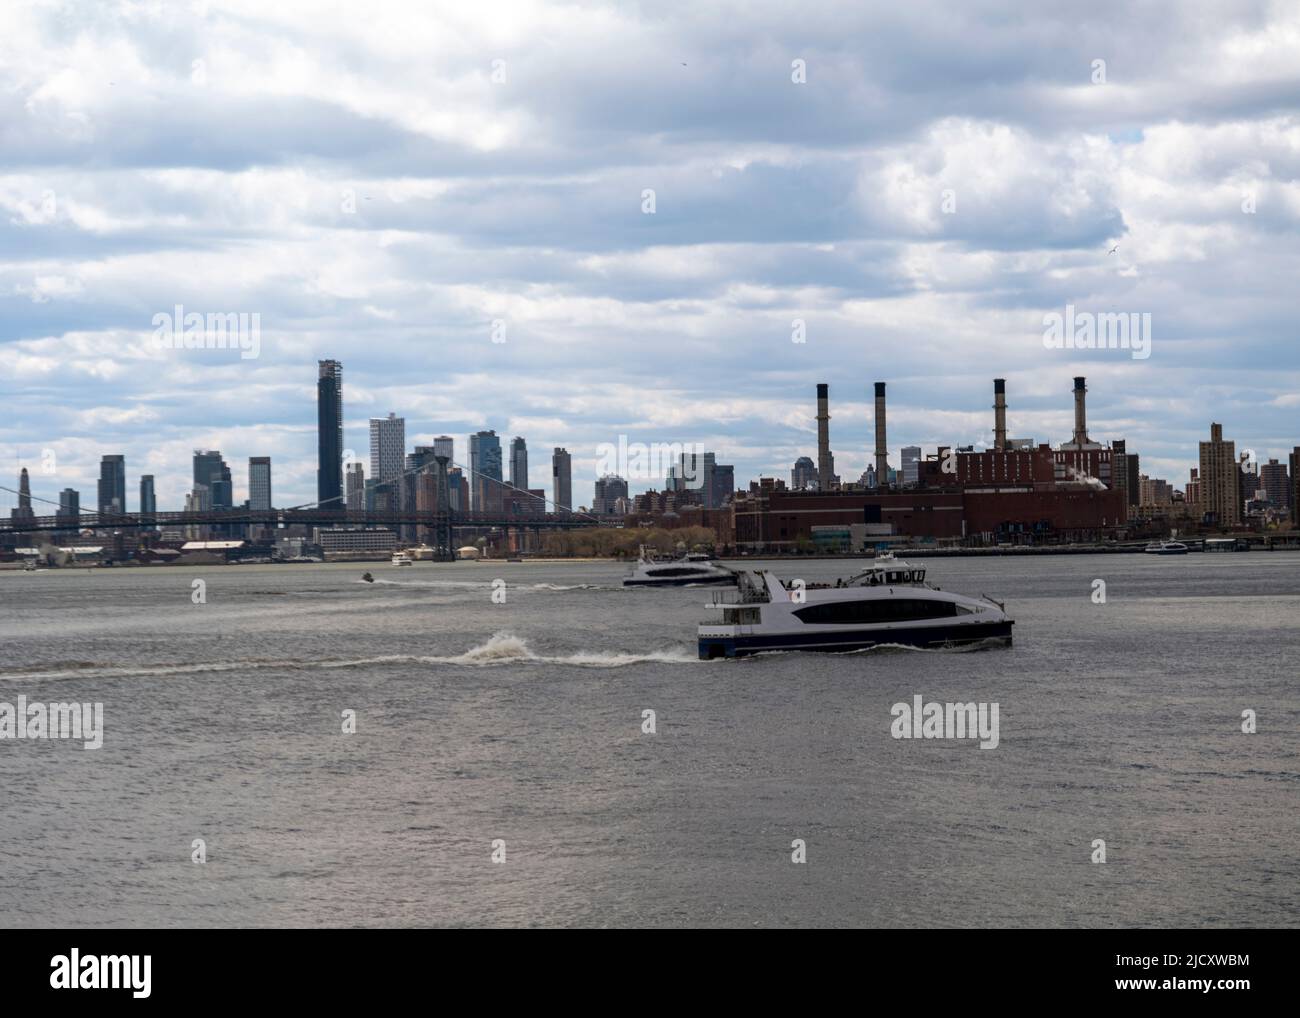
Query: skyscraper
(561, 480)
(721, 486)
(356, 487)
(24, 510)
(1273, 477)
(112, 484)
(485, 472)
(387, 447)
(457, 490)
(1119, 471)
(198, 501)
(609, 489)
(804, 474)
(259, 482)
(329, 435)
(1220, 484)
(212, 472)
(518, 463)
(69, 506)
(443, 445)
(419, 489)
(148, 500)
(1293, 463)
(1192, 494)
(911, 464)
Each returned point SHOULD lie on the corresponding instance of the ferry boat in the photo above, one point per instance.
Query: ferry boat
(886, 603)
(689, 569)
(400, 558)
(1166, 548)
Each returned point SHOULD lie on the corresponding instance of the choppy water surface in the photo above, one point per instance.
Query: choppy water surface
(478, 721)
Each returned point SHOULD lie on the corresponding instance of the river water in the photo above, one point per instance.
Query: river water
(520, 725)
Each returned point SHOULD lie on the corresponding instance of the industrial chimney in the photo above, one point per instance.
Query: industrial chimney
(824, 469)
(882, 454)
(1000, 414)
(1080, 413)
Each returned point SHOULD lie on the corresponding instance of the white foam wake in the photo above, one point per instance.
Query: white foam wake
(506, 648)
(499, 649)
(480, 585)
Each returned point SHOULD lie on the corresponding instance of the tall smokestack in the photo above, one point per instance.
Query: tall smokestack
(882, 455)
(1000, 414)
(1080, 412)
(824, 468)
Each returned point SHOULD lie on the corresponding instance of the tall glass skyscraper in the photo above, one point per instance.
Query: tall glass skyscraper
(69, 506)
(148, 500)
(112, 484)
(519, 463)
(485, 472)
(561, 481)
(212, 472)
(329, 435)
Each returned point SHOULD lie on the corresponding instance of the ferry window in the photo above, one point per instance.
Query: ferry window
(893, 609)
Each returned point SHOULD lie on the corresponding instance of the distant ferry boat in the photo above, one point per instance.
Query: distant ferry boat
(400, 558)
(1166, 548)
(888, 602)
(689, 569)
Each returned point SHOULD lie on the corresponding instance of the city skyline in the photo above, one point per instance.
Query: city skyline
(505, 269)
(386, 435)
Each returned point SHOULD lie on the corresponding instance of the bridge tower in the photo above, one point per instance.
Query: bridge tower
(442, 549)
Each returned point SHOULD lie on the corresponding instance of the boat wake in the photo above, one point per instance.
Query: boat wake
(480, 585)
(506, 648)
(500, 649)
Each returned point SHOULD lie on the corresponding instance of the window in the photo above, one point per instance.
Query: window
(885, 609)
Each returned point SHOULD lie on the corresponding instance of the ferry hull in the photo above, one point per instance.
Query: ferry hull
(909, 636)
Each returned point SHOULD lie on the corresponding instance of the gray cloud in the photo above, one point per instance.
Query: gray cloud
(364, 185)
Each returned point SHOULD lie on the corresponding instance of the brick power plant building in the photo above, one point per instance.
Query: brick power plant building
(1011, 492)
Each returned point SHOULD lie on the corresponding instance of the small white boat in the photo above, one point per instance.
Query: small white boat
(400, 558)
(886, 603)
(681, 572)
(1166, 548)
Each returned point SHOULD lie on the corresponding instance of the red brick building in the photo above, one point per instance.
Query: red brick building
(1042, 511)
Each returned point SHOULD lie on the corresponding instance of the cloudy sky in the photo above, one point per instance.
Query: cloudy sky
(381, 182)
